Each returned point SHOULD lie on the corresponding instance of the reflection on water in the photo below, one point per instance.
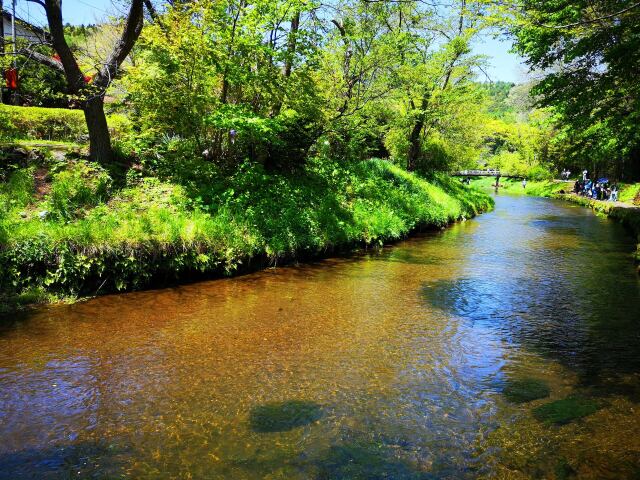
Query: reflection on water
(452, 355)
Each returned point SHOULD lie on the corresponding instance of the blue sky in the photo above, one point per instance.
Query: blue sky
(503, 65)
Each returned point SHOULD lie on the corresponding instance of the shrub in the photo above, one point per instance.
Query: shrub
(59, 124)
(43, 123)
(539, 173)
(80, 185)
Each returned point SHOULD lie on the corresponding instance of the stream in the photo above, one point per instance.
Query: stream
(506, 346)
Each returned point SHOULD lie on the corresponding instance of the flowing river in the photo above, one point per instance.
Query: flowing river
(507, 346)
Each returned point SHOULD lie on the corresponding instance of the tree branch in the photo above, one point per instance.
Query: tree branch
(594, 20)
(42, 59)
(123, 46)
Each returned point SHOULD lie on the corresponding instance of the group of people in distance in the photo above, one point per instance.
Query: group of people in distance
(565, 174)
(600, 189)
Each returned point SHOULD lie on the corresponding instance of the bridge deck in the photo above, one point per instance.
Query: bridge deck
(483, 173)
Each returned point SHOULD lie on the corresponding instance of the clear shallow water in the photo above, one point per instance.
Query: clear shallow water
(392, 364)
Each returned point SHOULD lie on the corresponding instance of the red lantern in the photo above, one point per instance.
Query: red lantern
(11, 77)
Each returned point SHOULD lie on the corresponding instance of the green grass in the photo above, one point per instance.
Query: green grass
(629, 192)
(545, 188)
(86, 235)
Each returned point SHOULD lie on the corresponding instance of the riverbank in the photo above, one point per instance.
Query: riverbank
(69, 228)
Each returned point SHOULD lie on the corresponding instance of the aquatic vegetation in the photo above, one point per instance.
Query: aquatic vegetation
(365, 461)
(283, 416)
(566, 410)
(526, 390)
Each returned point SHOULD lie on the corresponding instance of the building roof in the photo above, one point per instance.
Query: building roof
(37, 31)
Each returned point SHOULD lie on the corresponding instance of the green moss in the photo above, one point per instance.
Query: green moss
(526, 390)
(283, 416)
(565, 410)
(563, 470)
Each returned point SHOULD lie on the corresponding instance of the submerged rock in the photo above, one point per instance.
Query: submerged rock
(566, 410)
(526, 390)
(283, 416)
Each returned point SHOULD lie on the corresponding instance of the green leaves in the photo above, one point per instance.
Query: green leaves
(589, 52)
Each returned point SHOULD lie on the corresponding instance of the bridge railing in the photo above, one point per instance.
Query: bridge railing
(476, 173)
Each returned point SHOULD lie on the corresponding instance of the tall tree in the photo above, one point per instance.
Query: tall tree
(91, 95)
(589, 53)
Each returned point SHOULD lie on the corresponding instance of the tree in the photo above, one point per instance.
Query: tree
(209, 68)
(90, 94)
(589, 54)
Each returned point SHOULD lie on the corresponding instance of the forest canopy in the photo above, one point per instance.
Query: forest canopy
(277, 82)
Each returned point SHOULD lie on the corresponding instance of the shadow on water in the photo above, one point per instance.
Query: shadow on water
(366, 461)
(283, 416)
(588, 329)
(82, 460)
(350, 459)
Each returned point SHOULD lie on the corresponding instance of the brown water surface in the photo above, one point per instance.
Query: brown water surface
(396, 364)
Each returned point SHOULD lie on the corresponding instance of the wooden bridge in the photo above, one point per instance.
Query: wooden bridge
(483, 173)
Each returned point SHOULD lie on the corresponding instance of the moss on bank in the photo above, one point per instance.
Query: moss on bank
(66, 229)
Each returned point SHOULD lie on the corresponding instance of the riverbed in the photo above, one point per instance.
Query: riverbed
(462, 353)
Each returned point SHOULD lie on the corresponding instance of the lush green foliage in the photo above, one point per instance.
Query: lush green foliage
(51, 124)
(291, 78)
(590, 53)
(517, 138)
(82, 237)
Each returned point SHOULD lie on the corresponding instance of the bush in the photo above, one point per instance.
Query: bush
(81, 184)
(58, 124)
(42, 123)
(539, 173)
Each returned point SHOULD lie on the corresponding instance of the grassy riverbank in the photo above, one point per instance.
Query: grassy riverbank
(70, 228)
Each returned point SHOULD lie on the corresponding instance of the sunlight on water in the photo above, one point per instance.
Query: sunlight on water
(504, 347)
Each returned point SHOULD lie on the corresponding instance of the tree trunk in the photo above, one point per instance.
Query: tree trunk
(414, 138)
(414, 144)
(291, 47)
(99, 138)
